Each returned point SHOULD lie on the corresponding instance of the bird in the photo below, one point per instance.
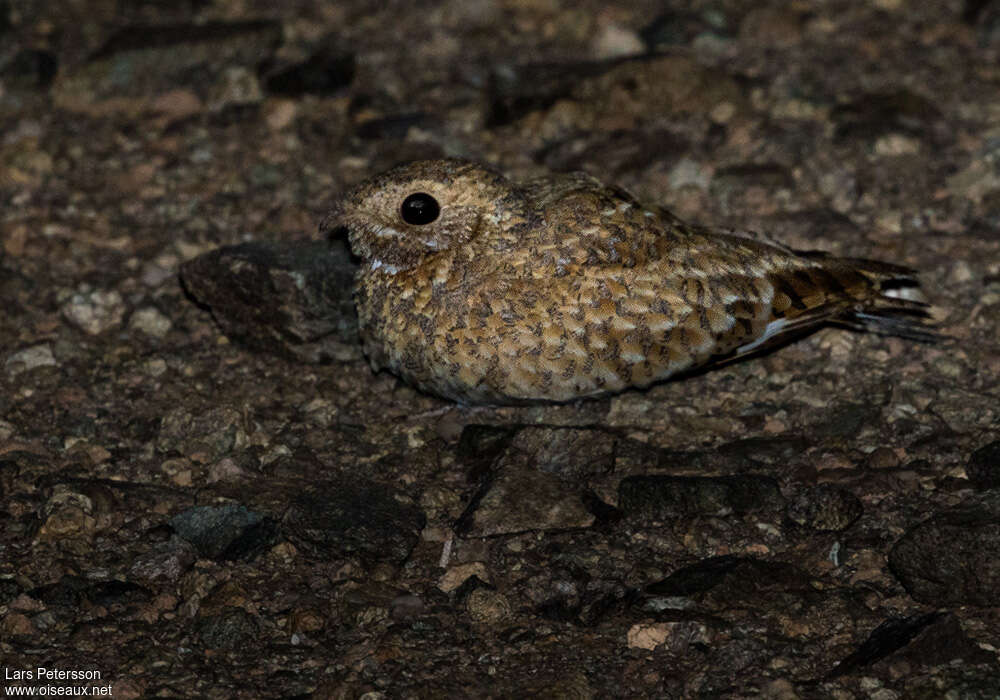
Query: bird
(489, 291)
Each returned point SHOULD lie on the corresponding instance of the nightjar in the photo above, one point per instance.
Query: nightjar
(487, 291)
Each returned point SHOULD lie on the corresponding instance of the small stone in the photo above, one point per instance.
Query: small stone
(237, 86)
(233, 628)
(658, 497)
(883, 458)
(30, 358)
(226, 469)
(896, 145)
(164, 564)
(406, 606)
(280, 113)
(614, 40)
(177, 104)
(486, 606)
(305, 620)
(225, 532)
(16, 626)
(25, 603)
(826, 508)
(454, 577)
(203, 437)
(688, 172)
(151, 321)
(96, 311)
(676, 636)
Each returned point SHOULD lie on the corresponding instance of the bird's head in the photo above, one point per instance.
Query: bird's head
(396, 219)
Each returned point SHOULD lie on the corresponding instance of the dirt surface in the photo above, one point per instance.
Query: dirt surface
(219, 499)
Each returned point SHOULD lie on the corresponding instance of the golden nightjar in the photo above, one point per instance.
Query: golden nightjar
(487, 291)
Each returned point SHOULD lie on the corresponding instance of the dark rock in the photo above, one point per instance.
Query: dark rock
(825, 507)
(848, 420)
(874, 115)
(479, 445)
(233, 628)
(291, 299)
(925, 640)
(225, 532)
(165, 563)
(30, 69)
(74, 591)
(324, 72)
(521, 499)
(516, 92)
(730, 183)
(570, 596)
(564, 451)
(110, 593)
(525, 470)
(407, 606)
(734, 580)
(983, 468)
(650, 498)
(639, 87)
(212, 433)
(953, 558)
(615, 153)
(354, 516)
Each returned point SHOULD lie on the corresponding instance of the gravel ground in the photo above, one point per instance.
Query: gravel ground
(205, 491)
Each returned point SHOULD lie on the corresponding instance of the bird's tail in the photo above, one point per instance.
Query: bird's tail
(868, 295)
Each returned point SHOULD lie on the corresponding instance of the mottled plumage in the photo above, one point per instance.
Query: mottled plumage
(562, 288)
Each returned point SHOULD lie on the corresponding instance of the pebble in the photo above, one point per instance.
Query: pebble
(233, 628)
(486, 606)
(95, 311)
(225, 532)
(151, 321)
(165, 563)
(825, 508)
(675, 636)
(650, 498)
(30, 358)
(614, 40)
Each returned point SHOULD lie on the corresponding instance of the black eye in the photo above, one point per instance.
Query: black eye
(419, 209)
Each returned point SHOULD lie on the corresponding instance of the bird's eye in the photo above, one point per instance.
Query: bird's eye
(419, 209)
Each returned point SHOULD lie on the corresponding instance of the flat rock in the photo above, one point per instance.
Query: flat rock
(290, 299)
(345, 517)
(658, 497)
(953, 558)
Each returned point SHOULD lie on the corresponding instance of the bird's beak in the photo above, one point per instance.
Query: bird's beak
(332, 222)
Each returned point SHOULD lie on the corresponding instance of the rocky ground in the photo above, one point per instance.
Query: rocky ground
(219, 499)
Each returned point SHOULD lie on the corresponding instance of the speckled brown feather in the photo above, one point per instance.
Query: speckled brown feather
(562, 288)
